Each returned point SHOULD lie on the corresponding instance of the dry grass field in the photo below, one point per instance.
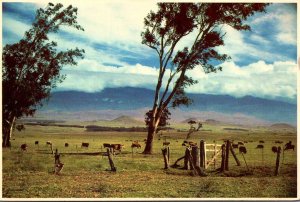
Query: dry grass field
(29, 174)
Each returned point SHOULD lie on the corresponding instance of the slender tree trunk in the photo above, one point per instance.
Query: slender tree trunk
(149, 143)
(7, 132)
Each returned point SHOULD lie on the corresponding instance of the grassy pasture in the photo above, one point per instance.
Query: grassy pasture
(29, 174)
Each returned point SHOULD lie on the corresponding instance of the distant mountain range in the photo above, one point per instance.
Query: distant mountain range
(139, 99)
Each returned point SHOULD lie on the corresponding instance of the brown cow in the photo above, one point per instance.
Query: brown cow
(166, 143)
(135, 145)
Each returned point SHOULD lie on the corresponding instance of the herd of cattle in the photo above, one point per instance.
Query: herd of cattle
(112, 147)
(135, 144)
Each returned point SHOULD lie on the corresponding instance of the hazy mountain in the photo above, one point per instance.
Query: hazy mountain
(131, 99)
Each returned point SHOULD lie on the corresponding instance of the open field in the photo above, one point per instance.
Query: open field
(29, 174)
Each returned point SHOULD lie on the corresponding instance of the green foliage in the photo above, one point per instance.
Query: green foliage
(163, 122)
(31, 67)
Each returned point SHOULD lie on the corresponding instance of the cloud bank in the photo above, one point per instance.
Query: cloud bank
(263, 61)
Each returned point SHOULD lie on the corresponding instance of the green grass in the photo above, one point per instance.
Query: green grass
(29, 174)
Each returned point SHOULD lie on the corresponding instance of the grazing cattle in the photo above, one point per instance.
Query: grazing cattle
(135, 145)
(235, 146)
(36, 142)
(117, 147)
(66, 144)
(48, 143)
(85, 144)
(278, 142)
(242, 149)
(24, 147)
(166, 143)
(261, 141)
(289, 146)
(240, 143)
(260, 146)
(274, 149)
(245, 141)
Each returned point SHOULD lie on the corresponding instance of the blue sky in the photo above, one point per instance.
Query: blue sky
(263, 64)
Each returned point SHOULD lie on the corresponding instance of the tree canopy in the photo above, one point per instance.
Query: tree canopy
(31, 67)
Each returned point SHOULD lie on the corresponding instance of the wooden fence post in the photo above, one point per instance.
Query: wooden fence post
(223, 158)
(227, 155)
(168, 154)
(277, 161)
(215, 153)
(186, 159)
(166, 160)
(111, 163)
(58, 166)
(202, 154)
(56, 157)
(195, 155)
(234, 155)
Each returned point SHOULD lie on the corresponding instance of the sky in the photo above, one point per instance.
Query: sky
(263, 61)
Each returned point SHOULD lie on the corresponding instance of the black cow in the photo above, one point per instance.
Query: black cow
(260, 146)
(261, 141)
(66, 144)
(243, 149)
(85, 144)
(24, 147)
(36, 142)
(235, 146)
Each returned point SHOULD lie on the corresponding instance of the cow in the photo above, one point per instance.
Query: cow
(240, 143)
(135, 145)
(66, 144)
(49, 143)
(85, 144)
(166, 143)
(260, 146)
(24, 147)
(36, 142)
(261, 141)
(242, 149)
(289, 146)
(278, 142)
(235, 146)
(113, 147)
(117, 147)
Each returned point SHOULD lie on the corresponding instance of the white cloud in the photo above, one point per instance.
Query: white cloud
(285, 21)
(257, 79)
